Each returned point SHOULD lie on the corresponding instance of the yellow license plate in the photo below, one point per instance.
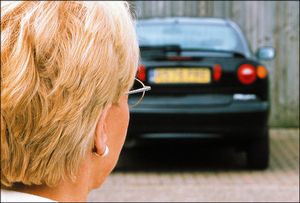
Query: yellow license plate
(180, 75)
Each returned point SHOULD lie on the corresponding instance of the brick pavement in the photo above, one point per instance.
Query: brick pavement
(210, 181)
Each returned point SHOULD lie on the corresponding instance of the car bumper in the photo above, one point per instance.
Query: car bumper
(193, 118)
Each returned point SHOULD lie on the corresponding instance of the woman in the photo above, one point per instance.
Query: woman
(66, 71)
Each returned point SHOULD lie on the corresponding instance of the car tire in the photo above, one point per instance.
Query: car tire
(258, 151)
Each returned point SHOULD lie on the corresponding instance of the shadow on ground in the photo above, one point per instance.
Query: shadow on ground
(180, 158)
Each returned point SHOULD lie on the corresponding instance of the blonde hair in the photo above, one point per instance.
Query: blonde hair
(62, 63)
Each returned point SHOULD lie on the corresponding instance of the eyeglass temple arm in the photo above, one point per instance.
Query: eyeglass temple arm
(143, 89)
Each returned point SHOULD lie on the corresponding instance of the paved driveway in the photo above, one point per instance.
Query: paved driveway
(221, 176)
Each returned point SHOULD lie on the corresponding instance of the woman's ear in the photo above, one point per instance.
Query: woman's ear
(100, 134)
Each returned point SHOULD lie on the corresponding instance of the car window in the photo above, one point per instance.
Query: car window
(190, 36)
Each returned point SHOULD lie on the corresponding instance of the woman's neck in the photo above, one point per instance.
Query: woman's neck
(65, 191)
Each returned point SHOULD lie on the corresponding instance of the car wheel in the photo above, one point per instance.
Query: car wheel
(258, 151)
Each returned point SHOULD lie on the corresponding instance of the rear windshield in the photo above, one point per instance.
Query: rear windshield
(190, 36)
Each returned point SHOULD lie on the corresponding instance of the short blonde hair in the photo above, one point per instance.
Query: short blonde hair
(62, 63)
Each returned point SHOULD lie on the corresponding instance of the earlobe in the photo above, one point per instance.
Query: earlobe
(106, 152)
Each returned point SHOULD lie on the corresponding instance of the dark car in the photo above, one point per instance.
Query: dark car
(206, 83)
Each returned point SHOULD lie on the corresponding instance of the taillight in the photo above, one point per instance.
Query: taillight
(141, 74)
(261, 72)
(217, 72)
(246, 74)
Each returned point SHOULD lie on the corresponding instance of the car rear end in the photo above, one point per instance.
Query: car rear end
(219, 106)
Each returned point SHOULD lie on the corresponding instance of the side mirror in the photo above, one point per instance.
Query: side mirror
(265, 53)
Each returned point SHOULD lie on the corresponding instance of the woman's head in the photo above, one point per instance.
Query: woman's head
(63, 64)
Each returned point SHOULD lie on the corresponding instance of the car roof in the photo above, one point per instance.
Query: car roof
(167, 20)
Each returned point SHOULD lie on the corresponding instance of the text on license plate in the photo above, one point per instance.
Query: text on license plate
(180, 75)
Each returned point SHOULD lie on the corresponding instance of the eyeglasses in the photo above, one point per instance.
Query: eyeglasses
(139, 92)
